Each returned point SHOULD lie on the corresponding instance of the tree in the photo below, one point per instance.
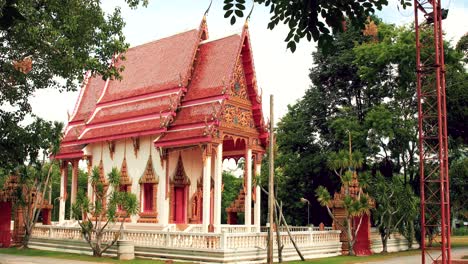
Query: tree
(34, 177)
(303, 17)
(232, 186)
(345, 164)
(50, 44)
(458, 186)
(396, 205)
(100, 215)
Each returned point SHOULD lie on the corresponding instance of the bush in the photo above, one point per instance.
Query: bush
(462, 231)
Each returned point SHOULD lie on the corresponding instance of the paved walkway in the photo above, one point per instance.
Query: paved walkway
(14, 259)
(456, 253)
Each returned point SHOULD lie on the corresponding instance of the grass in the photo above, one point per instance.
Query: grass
(71, 256)
(457, 241)
(353, 259)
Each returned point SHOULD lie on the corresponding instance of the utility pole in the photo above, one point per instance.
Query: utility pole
(271, 192)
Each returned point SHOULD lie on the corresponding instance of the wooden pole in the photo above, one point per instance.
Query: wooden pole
(271, 201)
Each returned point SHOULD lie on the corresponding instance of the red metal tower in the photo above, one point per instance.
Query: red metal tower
(433, 140)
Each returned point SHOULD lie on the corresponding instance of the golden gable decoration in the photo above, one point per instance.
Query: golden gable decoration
(124, 178)
(180, 177)
(149, 176)
(239, 86)
(102, 176)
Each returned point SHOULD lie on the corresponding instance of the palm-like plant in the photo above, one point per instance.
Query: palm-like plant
(34, 179)
(103, 210)
(345, 164)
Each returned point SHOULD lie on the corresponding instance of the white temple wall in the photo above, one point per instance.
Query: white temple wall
(135, 165)
(191, 158)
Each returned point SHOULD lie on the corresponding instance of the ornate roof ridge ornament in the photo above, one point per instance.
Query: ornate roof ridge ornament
(149, 176)
(207, 10)
(246, 24)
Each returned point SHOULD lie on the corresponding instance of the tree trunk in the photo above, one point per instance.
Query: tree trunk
(411, 235)
(350, 237)
(384, 242)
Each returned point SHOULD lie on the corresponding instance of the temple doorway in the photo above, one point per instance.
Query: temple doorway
(180, 205)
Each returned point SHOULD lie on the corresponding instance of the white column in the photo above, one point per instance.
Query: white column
(163, 203)
(217, 188)
(90, 187)
(248, 194)
(258, 195)
(206, 189)
(63, 190)
(74, 186)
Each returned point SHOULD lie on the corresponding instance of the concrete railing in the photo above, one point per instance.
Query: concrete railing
(184, 240)
(299, 228)
(238, 229)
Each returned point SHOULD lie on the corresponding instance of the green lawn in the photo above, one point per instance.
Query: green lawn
(60, 255)
(350, 259)
(457, 241)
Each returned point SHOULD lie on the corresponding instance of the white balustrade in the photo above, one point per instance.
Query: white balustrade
(231, 238)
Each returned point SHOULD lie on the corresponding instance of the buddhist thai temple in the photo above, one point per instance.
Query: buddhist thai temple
(185, 104)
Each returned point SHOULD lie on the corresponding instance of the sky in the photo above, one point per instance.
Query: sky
(278, 71)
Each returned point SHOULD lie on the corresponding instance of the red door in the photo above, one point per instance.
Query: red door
(180, 205)
(362, 244)
(5, 221)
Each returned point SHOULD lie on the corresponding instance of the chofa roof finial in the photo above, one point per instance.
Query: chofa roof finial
(207, 10)
(248, 16)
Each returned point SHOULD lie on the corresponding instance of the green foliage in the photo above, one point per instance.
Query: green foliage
(323, 196)
(27, 144)
(397, 208)
(311, 19)
(62, 40)
(232, 187)
(458, 188)
(344, 164)
(109, 206)
(462, 231)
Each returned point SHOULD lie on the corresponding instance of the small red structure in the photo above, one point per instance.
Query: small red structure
(362, 244)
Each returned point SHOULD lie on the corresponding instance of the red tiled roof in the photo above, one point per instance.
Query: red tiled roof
(155, 66)
(72, 131)
(114, 130)
(132, 109)
(156, 76)
(212, 76)
(198, 113)
(214, 66)
(189, 136)
(71, 151)
(88, 97)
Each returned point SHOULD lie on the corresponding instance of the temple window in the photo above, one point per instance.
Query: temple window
(148, 194)
(125, 181)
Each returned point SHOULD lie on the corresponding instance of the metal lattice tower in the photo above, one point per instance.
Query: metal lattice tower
(433, 140)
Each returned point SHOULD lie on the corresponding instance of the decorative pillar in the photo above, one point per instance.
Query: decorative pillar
(163, 201)
(63, 190)
(90, 170)
(258, 193)
(248, 186)
(74, 185)
(217, 188)
(206, 187)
